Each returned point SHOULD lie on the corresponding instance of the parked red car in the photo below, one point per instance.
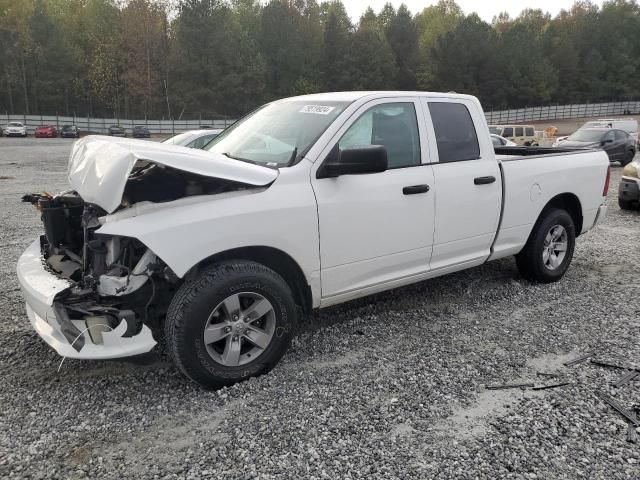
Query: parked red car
(46, 131)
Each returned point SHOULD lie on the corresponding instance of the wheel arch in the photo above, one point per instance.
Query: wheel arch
(569, 202)
(277, 260)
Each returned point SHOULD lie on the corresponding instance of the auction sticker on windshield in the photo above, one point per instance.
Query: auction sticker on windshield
(318, 109)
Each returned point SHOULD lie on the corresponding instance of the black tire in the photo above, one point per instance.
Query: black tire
(628, 158)
(530, 260)
(195, 301)
(625, 204)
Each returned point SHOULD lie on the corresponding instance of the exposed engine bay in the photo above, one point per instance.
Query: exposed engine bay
(112, 291)
(159, 183)
(117, 282)
(113, 279)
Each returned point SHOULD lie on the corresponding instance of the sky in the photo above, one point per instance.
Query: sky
(487, 9)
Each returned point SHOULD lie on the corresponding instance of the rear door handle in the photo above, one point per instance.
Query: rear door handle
(414, 189)
(484, 180)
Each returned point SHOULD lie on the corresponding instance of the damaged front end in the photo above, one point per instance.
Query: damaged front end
(95, 295)
(116, 289)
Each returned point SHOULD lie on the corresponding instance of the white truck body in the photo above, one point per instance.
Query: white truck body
(350, 235)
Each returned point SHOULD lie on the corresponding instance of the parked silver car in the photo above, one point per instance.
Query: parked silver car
(194, 138)
(15, 129)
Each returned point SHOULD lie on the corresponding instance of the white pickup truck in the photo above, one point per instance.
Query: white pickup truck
(306, 202)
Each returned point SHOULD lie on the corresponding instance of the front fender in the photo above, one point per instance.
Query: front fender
(186, 231)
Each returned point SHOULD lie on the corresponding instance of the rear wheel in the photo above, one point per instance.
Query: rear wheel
(549, 249)
(234, 321)
(628, 158)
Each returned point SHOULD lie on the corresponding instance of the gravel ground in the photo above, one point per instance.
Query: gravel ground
(390, 386)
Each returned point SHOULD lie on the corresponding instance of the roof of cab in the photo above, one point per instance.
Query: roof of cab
(357, 95)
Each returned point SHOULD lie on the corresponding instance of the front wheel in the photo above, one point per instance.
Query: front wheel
(232, 322)
(549, 249)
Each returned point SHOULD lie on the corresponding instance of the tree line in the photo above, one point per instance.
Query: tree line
(178, 58)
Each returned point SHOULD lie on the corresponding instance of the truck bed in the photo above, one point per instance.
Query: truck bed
(516, 153)
(529, 186)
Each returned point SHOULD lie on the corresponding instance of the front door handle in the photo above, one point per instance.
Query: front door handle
(414, 189)
(484, 180)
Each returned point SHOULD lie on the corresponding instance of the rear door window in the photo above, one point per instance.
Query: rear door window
(455, 132)
(529, 132)
(519, 132)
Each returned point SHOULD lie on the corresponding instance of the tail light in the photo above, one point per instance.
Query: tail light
(606, 182)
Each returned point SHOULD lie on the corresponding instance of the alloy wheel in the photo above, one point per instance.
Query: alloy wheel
(555, 247)
(239, 329)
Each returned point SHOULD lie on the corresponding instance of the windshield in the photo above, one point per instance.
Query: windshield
(68, 127)
(278, 133)
(587, 135)
(15, 124)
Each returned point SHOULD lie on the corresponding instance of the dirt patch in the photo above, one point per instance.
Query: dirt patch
(551, 363)
(402, 430)
(473, 420)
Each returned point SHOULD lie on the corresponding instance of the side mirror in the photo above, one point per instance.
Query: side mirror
(356, 160)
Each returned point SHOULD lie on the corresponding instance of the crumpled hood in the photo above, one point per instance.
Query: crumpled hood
(99, 166)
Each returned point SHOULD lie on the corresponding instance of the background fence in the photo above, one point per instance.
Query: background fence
(101, 125)
(559, 112)
(169, 127)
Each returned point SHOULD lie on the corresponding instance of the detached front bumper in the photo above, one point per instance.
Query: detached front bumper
(40, 288)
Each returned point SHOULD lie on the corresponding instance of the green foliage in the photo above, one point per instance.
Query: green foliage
(336, 52)
(371, 62)
(402, 35)
(172, 58)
